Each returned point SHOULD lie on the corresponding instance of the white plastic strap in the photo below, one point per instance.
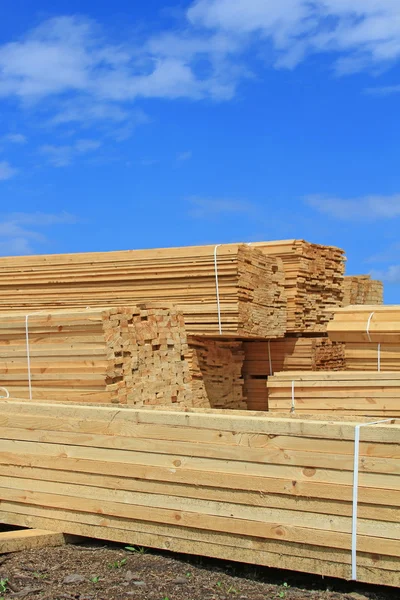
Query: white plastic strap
(355, 494)
(269, 358)
(6, 391)
(368, 325)
(379, 358)
(28, 356)
(217, 288)
(293, 408)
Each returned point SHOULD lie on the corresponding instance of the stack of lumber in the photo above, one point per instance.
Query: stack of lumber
(372, 324)
(256, 488)
(289, 354)
(216, 368)
(340, 392)
(122, 355)
(250, 285)
(30, 539)
(371, 335)
(361, 289)
(139, 355)
(372, 357)
(313, 281)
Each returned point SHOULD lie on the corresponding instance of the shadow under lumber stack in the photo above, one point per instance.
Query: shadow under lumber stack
(263, 359)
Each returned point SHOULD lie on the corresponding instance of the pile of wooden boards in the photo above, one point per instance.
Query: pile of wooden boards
(233, 290)
(339, 392)
(313, 281)
(129, 355)
(371, 335)
(372, 324)
(361, 289)
(252, 488)
(263, 359)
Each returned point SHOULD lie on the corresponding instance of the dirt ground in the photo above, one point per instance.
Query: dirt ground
(95, 571)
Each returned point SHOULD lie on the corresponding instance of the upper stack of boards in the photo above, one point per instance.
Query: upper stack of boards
(200, 326)
(230, 290)
(260, 290)
(313, 281)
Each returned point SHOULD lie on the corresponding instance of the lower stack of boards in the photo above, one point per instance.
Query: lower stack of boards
(254, 488)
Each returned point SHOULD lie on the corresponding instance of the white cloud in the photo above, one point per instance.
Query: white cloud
(389, 275)
(70, 71)
(366, 31)
(203, 208)
(66, 55)
(62, 156)
(15, 138)
(6, 171)
(365, 208)
(19, 231)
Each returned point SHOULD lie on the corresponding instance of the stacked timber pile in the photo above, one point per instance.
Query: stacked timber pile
(139, 355)
(263, 359)
(361, 289)
(190, 482)
(370, 324)
(216, 367)
(340, 392)
(119, 355)
(371, 335)
(233, 290)
(313, 282)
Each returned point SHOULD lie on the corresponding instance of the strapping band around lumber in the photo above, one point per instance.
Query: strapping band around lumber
(379, 358)
(217, 288)
(28, 356)
(270, 358)
(293, 407)
(355, 493)
(6, 391)
(368, 325)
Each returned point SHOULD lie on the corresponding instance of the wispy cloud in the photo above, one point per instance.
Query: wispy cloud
(362, 33)
(20, 231)
(387, 90)
(6, 171)
(76, 72)
(389, 275)
(204, 208)
(184, 156)
(63, 156)
(14, 138)
(365, 208)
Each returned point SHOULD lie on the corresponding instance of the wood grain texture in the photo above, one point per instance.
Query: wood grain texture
(206, 482)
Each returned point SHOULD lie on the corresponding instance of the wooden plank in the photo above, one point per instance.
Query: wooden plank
(29, 539)
(274, 487)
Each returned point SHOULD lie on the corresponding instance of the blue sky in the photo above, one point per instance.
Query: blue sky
(143, 124)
